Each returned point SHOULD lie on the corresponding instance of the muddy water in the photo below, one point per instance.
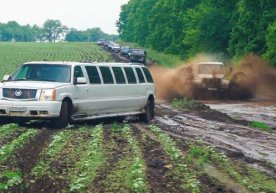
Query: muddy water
(234, 138)
(262, 111)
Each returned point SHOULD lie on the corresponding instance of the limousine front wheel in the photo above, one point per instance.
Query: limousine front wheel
(149, 112)
(63, 119)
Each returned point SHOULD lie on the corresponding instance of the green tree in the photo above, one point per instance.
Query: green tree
(54, 30)
(270, 54)
(252, 21)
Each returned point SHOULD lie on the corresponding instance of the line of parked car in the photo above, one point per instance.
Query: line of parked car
(133, 54)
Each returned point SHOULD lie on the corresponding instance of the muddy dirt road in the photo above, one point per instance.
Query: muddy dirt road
(262, 111)
(227, 135)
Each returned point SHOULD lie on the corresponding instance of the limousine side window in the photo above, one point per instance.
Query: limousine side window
(106, 74)
(77, 73)
(140, 75)
(148, 75)
(93, 74)
(130, 75)
(119, 75)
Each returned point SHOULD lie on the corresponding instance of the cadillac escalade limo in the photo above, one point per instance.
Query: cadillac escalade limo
(72, 91)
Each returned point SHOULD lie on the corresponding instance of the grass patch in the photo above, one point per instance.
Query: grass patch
(185, 104)
(11, 178)
(261, 126)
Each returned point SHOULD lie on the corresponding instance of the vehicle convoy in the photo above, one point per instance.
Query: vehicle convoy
(72, 91)
(209, 80)
(137, 55)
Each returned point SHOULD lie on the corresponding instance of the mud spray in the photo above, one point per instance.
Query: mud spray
(254, 75)
(251, 78)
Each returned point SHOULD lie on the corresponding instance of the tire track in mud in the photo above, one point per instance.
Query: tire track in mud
(250, 142)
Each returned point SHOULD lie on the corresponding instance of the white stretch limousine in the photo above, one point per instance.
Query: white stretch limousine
(71, 91)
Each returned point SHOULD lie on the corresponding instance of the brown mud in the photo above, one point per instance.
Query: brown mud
(229, 136)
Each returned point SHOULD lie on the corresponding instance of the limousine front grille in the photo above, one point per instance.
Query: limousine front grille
(15, 93)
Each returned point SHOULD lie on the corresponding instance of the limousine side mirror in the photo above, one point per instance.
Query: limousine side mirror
(81, 80)
(6, 78)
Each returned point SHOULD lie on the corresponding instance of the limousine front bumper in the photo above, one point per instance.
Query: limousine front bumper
(30, 109)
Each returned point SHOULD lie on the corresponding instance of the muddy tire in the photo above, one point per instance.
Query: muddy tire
(149, 112)
(63, 119)
(4, 120)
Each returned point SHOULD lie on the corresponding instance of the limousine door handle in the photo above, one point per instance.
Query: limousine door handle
(86, 90)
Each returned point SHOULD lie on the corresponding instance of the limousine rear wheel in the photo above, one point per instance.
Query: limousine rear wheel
(63, 119)
(149, 112)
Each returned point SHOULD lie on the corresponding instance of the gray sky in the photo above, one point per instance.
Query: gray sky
(79, 14)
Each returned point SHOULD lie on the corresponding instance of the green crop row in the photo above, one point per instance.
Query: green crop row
(53, 149)
(8, 129)
(137, 167)
(180, 168)
(89, 164)
(7, 150)
(128, 173)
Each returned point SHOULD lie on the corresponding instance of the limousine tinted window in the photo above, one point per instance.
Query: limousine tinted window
(78, 72)
(119, 75)
(148, 75)
(140, 75)
(93, 74)
(130, 75)
(106, 74)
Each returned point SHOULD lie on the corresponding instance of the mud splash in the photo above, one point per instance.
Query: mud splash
(255, 75)
(176, 82)
(252, 77)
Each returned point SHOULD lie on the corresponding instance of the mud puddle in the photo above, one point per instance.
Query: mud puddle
(261, 111)
(231, 137)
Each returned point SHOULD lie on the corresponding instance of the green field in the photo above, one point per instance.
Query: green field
(12, 54)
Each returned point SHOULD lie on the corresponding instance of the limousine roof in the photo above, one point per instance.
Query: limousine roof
(81, 63)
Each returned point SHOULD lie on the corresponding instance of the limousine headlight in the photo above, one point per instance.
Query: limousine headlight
(48, 95)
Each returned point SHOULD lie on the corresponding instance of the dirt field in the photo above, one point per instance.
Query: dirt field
(195, 150)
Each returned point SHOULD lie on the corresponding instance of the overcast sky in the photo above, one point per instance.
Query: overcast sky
(79, 14)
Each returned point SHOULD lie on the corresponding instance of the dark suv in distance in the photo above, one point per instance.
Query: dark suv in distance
(125, 50)
(137, 55)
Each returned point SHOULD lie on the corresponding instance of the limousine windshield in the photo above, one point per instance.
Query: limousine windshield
(41, 72)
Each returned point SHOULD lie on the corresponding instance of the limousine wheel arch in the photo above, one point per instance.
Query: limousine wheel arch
(149, 111)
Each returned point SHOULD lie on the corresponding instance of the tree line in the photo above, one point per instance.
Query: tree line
(51, 31)
(184, 27)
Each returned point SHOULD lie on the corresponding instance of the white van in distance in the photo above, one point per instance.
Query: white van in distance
(72, 91)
